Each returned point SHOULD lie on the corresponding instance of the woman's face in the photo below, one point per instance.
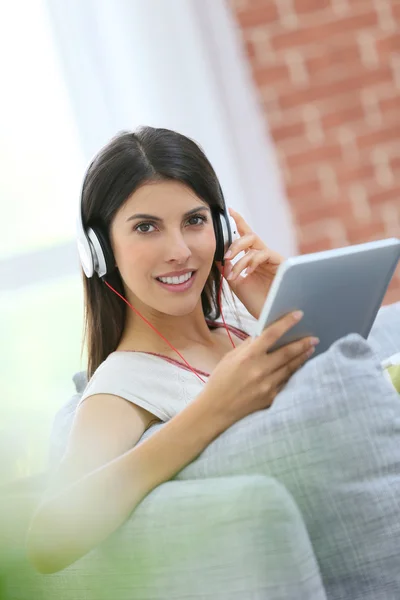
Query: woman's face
(176, 234)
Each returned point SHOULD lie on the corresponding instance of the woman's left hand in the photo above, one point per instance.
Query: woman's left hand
(261, 263)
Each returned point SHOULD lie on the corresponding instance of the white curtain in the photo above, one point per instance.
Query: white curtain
(177, 64)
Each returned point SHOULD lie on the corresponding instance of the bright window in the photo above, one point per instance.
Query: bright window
(42, 165)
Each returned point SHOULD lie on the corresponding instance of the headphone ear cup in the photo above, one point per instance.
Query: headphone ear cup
(223, 235)
(234, 229)
(103, 256)
(219, 238)
(107, 252)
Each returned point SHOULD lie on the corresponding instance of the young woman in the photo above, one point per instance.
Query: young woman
(151, 325)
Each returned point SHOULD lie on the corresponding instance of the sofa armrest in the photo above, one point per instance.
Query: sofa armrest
(232, 537)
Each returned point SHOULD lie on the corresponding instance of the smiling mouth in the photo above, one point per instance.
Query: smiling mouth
(177, 286)
(175, 280)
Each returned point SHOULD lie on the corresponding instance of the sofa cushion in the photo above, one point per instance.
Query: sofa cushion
(332, 437)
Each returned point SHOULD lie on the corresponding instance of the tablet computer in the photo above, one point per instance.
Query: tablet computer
(340, 291)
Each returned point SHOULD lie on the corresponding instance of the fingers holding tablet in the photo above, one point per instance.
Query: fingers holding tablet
(287, 359)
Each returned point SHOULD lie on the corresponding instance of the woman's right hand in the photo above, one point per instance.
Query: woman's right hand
(247, 379)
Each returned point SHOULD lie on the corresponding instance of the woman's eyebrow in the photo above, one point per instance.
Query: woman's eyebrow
(153, 218)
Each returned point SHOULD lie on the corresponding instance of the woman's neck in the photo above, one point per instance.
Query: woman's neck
(182, 332)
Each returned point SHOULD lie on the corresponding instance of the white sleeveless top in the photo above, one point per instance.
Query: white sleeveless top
(160, 384)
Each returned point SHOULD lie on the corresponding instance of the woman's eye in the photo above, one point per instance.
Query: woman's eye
(137, 228)
(202, 218)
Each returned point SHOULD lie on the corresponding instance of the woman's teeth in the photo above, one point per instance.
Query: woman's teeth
(176, 280)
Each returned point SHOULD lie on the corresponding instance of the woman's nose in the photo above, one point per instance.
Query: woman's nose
(177, 249)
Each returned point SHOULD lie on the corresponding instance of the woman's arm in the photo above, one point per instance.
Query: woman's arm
(102, 478)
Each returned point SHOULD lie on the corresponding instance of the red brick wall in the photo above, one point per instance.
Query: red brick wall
(328, 78)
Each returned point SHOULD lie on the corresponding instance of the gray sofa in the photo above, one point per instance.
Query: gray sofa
(300, 501)
(230, 537)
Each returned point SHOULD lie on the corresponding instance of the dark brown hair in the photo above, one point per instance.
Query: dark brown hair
(128, 161)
